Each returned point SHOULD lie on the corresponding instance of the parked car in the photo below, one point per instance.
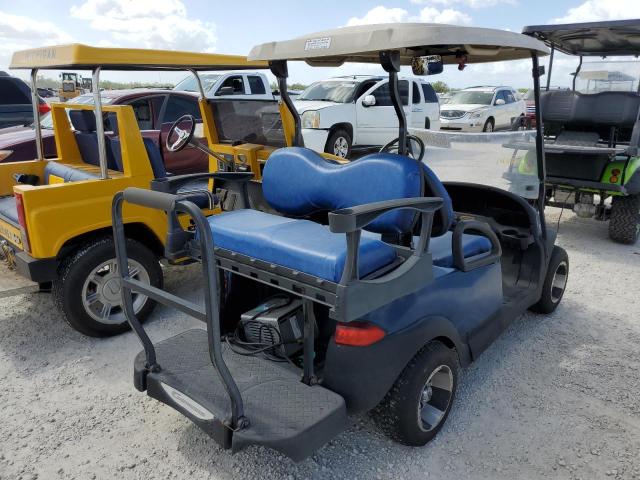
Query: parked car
(46, 92)
(355, 112)
(481, 109)
(15, 102)
(249, 85)
(154, 110)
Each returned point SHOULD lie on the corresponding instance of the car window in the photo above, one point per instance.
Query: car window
(256, 85)
(364, 86)
(416, 93)
(430, 95)
(12, 94)
(511, 98)
(143, 113)
(235, 82)
(501, 95)
(383, 96)
(178, 106)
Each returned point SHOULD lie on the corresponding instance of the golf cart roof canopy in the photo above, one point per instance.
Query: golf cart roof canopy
(612, 38)
(78, 56)
(364, 42)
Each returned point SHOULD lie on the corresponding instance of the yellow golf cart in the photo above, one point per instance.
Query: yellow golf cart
(55, 215)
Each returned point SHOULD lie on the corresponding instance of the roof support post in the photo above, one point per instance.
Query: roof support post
(390, 62)
(102, 144)
(575, 74)
(35, 104)
(281, 71)
(199, 83)
(542, 173)
(550, 67)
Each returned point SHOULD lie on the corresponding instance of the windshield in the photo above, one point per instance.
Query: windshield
(330, 91)
(506, 160)
(189, 84)
(472, 97)
(608, 76)
(47, 122)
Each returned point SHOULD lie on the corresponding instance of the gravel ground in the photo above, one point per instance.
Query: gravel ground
(554, 397)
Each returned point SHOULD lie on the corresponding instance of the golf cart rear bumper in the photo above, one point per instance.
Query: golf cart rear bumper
(38, 270)
(586, 184)
(315, 138)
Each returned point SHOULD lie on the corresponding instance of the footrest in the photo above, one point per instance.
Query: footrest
(283, 413)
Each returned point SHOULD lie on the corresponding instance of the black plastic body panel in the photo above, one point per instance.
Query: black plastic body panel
(39, 270)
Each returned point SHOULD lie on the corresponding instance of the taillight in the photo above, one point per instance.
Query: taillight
(43, 108)
(358, 334)
(22, 221)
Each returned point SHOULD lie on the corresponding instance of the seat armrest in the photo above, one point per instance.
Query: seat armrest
(174, 183)
(480, 260)
(351, 219)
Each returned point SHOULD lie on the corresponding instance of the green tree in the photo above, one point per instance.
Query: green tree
(440, 87)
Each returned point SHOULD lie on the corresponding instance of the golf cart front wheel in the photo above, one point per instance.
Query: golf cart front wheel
(624, 223)
(417, 406)
(555, 282)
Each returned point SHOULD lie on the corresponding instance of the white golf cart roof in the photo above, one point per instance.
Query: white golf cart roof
(364, 42)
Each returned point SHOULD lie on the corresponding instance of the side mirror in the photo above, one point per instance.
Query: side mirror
(500, 102)
(224, 91)
(430, 65)
(369, 101)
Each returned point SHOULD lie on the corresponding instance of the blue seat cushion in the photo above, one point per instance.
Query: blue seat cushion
(441, 248)
(66, 172)
(301, 245)
(8, 209)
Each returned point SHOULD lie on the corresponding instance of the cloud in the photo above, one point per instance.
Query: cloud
(469, 3)
(19, 32)
(162, 24)
(381, 14)
(596, 10)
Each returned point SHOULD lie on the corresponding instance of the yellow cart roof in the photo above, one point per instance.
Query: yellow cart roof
(80, 57)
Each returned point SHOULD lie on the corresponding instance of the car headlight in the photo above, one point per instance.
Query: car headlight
(476, 114)
(4, 154)
(311, 119)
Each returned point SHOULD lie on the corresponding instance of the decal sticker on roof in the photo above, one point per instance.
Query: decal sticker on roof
(317, 43)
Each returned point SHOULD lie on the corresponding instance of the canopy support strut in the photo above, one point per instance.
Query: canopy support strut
(35, 104)
(550, 67)
(102, 144)
(390, 62)
(542, 173)
(280, 70)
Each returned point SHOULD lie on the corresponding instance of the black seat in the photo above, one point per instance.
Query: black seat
(84, 122)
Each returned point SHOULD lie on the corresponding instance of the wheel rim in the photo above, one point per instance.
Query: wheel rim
(559, 281)
(101, 295)
(488, 127)
(435, 398)
(341, 147)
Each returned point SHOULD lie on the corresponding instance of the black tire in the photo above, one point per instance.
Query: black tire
(624, 223)
(339, 135)
(399, 414)
(489, 125)
(555, 282)
(75, 270)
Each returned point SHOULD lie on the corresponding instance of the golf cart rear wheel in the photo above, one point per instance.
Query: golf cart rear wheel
(87, 290)
(555, 282)
(624, 223)
(418, 404)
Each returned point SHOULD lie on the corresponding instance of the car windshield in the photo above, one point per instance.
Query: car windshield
(189, 84)
(471, 97)
(330, 91)
(47, 122)
(608, 76)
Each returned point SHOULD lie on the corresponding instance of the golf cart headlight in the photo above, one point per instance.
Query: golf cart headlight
(311, 119)
(4, 154)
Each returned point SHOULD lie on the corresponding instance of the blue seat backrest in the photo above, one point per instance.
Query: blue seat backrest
(433, 187)
(84, 122)
(299, 182)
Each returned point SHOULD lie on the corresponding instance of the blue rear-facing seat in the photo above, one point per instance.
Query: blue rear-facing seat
(299, 182)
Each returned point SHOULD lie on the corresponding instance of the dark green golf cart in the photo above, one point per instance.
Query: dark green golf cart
(592, 131)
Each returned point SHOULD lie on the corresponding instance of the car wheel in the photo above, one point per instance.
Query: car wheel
(624, 223)
(488, 126)
(339, 143)
(555, 282)
(418, 404)
(87, 291)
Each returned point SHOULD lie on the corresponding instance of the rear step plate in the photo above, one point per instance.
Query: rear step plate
(12, 283)
(283, 413)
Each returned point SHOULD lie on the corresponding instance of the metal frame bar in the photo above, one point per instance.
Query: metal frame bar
(390, 62)
(35, 104)
(281, 71)
(540, 157)
(553, 49)
(102, 144)
(575, 75)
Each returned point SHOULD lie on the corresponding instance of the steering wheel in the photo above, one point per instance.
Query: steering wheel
(180, 133)
(389, 147)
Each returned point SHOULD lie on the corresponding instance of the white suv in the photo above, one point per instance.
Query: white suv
(481, 109)
(355, 112)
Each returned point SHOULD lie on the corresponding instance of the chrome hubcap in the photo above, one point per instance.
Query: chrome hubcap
(559, 282)
(101, 296)
(435, 398)
(341, 147)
